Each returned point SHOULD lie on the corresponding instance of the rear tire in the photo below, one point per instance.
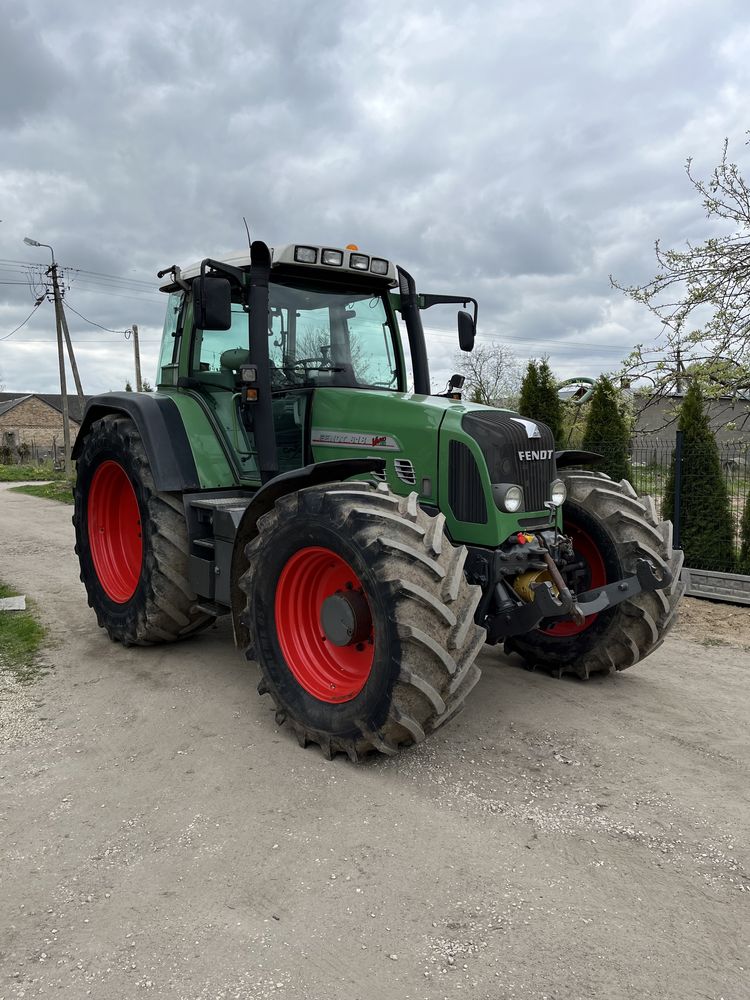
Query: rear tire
(616, 528)
(131, 541)
(415, 666)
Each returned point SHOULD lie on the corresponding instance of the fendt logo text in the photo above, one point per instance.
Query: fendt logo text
(535, 456)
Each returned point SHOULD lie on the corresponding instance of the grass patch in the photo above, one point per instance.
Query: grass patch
(21, 473)
(62, 491)
(21, 636)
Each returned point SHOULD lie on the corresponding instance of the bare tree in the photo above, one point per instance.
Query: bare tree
(493, 374)
(701, 296)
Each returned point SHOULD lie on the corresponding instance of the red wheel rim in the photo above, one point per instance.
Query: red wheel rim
(586, 548)
(114, 524)
(328, 672)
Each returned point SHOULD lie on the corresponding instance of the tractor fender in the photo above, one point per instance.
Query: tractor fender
(161, 429)
(572, 457)
(288, 482)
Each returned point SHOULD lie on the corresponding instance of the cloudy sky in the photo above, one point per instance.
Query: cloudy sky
(519, 152)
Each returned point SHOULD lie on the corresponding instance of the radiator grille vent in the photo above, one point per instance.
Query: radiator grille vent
(502, 439)
(465, 493)
(405, 471)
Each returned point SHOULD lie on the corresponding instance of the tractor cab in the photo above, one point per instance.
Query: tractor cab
(331, 323)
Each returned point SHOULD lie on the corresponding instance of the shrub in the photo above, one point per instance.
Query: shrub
(607, 431)
(744, 557)
(539, 399)
(706, 528)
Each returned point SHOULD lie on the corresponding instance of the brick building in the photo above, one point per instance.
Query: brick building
(34, 419)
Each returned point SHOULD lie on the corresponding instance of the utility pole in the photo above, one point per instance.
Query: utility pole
(61, 359)
(137, 353)
(61, 326)
(71, 355)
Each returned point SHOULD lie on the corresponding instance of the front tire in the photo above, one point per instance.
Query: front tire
(612, 528)
(406, 663)
(131, 541)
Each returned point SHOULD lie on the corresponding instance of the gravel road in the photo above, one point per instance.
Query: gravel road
(161, 836)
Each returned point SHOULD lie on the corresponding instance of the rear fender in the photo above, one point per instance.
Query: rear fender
(263, 501)
(161, 429)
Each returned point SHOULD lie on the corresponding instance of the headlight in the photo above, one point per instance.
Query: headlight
(359, 261)
(306, 255)
(333, 257)
(379, 266)
(508, 496)
(558, 492)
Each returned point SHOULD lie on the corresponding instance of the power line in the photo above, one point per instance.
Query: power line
(105, 328)
(521, 341)
(80, 270)
(114, 295)
(95, 340)
(108, 283)
(117, 277)
(7, 335)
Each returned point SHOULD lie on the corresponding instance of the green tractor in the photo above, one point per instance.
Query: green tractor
(367, 540)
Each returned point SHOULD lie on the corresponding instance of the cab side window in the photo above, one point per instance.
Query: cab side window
(222, 350)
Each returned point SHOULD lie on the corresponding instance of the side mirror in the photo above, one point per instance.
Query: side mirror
(212, 303)
(467, 331)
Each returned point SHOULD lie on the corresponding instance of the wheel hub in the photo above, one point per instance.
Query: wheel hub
(324, 624)
(345, 618)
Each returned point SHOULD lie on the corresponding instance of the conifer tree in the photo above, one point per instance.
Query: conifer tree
(744, 559)
(527, 401)
(549, 405)
(706, 528)
(607, 431)
(539, 399)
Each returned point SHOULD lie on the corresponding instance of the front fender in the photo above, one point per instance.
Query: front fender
(263, 501)
(162, 431)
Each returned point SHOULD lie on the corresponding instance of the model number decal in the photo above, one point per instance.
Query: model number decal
(353, 439)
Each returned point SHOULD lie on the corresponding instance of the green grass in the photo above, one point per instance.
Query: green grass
(61, 491)
(19, 473)
(21, 636)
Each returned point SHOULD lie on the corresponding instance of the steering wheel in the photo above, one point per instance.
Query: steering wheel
(322, 364)
(308, 362)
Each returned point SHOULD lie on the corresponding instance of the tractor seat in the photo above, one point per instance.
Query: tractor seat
(233, 359)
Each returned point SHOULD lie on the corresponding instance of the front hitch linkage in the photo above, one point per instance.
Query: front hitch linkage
(526, 617)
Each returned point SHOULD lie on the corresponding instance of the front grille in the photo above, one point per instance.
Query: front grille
(501, 439)
(465, 493)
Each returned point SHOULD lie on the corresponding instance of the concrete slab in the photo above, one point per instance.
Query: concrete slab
(12, 603)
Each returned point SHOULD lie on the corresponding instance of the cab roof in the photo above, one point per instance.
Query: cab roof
(289, 255)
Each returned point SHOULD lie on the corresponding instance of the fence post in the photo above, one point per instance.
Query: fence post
(677, 489)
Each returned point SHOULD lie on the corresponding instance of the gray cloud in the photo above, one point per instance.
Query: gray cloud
(519, 152)
(31, 76)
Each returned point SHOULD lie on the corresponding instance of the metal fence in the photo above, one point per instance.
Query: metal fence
(651, 461)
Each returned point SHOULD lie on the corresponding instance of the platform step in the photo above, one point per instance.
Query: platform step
(213, 608)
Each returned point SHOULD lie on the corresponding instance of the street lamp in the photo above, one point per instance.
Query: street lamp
(35, 243)
(59, 320)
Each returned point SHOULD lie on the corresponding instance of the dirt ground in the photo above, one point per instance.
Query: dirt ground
(162, 837)
(714, 623)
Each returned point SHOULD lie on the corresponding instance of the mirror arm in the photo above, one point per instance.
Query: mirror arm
(233, 273)
(427, 301)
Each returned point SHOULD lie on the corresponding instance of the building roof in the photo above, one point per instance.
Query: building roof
(9, 400)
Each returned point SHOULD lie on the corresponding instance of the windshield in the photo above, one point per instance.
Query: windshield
(318, 335)
(326, 336)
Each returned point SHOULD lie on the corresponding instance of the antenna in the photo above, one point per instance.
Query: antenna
(247, 230)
